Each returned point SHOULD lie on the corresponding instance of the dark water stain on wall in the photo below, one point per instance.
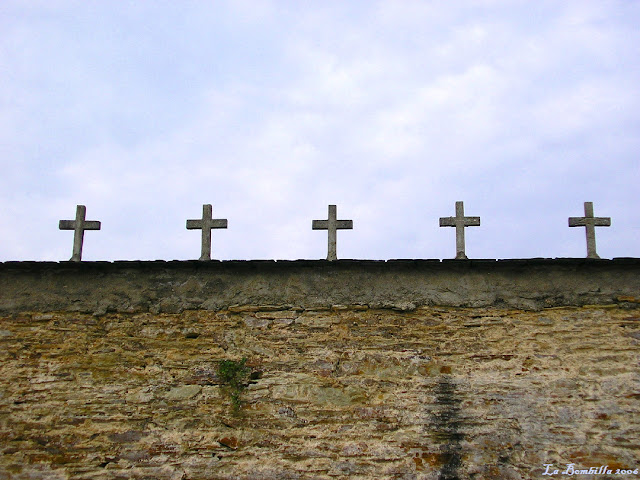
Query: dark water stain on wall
(446, 428)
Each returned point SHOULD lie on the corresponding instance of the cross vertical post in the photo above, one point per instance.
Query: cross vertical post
(590, 222)
(206, 224)
(332, 224)
(460, 222)
(79, 225)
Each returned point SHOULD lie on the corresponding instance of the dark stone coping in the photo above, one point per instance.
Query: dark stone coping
(269, 264)
(177, 285)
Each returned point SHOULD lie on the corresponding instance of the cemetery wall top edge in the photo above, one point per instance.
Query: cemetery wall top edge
(176, 286)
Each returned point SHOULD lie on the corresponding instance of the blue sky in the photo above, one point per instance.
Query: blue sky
(271, 110)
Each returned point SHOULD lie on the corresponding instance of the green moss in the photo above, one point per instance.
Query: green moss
(234, 379)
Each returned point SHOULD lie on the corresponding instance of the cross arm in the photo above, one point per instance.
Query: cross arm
(92, 225)
(447, 221)
(71, 225)
(344, 224)
(320, 224)
(583, 222)
(67, 225)
(197, 224)
(219, 223)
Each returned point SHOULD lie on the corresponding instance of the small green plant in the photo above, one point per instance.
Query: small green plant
(234, 379)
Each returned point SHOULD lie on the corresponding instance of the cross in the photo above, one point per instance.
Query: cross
(590, 222)
(206, 224)
(460, 221)
(79, 225)
(332, 225)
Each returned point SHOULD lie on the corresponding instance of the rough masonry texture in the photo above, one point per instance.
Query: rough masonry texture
(175, 286)
(409, 370)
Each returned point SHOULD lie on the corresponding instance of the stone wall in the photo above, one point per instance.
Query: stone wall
(356, 391)
(172, 287)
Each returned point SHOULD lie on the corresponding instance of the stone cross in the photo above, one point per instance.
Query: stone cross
(590, 222)
(332, 225)
(206, 224)
(79, 225)
(460, 222)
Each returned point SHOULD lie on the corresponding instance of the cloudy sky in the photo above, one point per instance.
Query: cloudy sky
(270, 110)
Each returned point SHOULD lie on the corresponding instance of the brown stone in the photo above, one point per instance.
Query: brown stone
(374, 393)
(229, 442)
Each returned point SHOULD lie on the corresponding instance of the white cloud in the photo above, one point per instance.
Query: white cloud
(392, 110)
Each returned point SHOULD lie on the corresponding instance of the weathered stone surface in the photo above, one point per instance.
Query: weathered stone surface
(460, 222)
(332, 225)
(267, 286)
(183, 393)
(356, 373)
(435, 392)
(590, 222)
(79, 225)
(206, 223)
